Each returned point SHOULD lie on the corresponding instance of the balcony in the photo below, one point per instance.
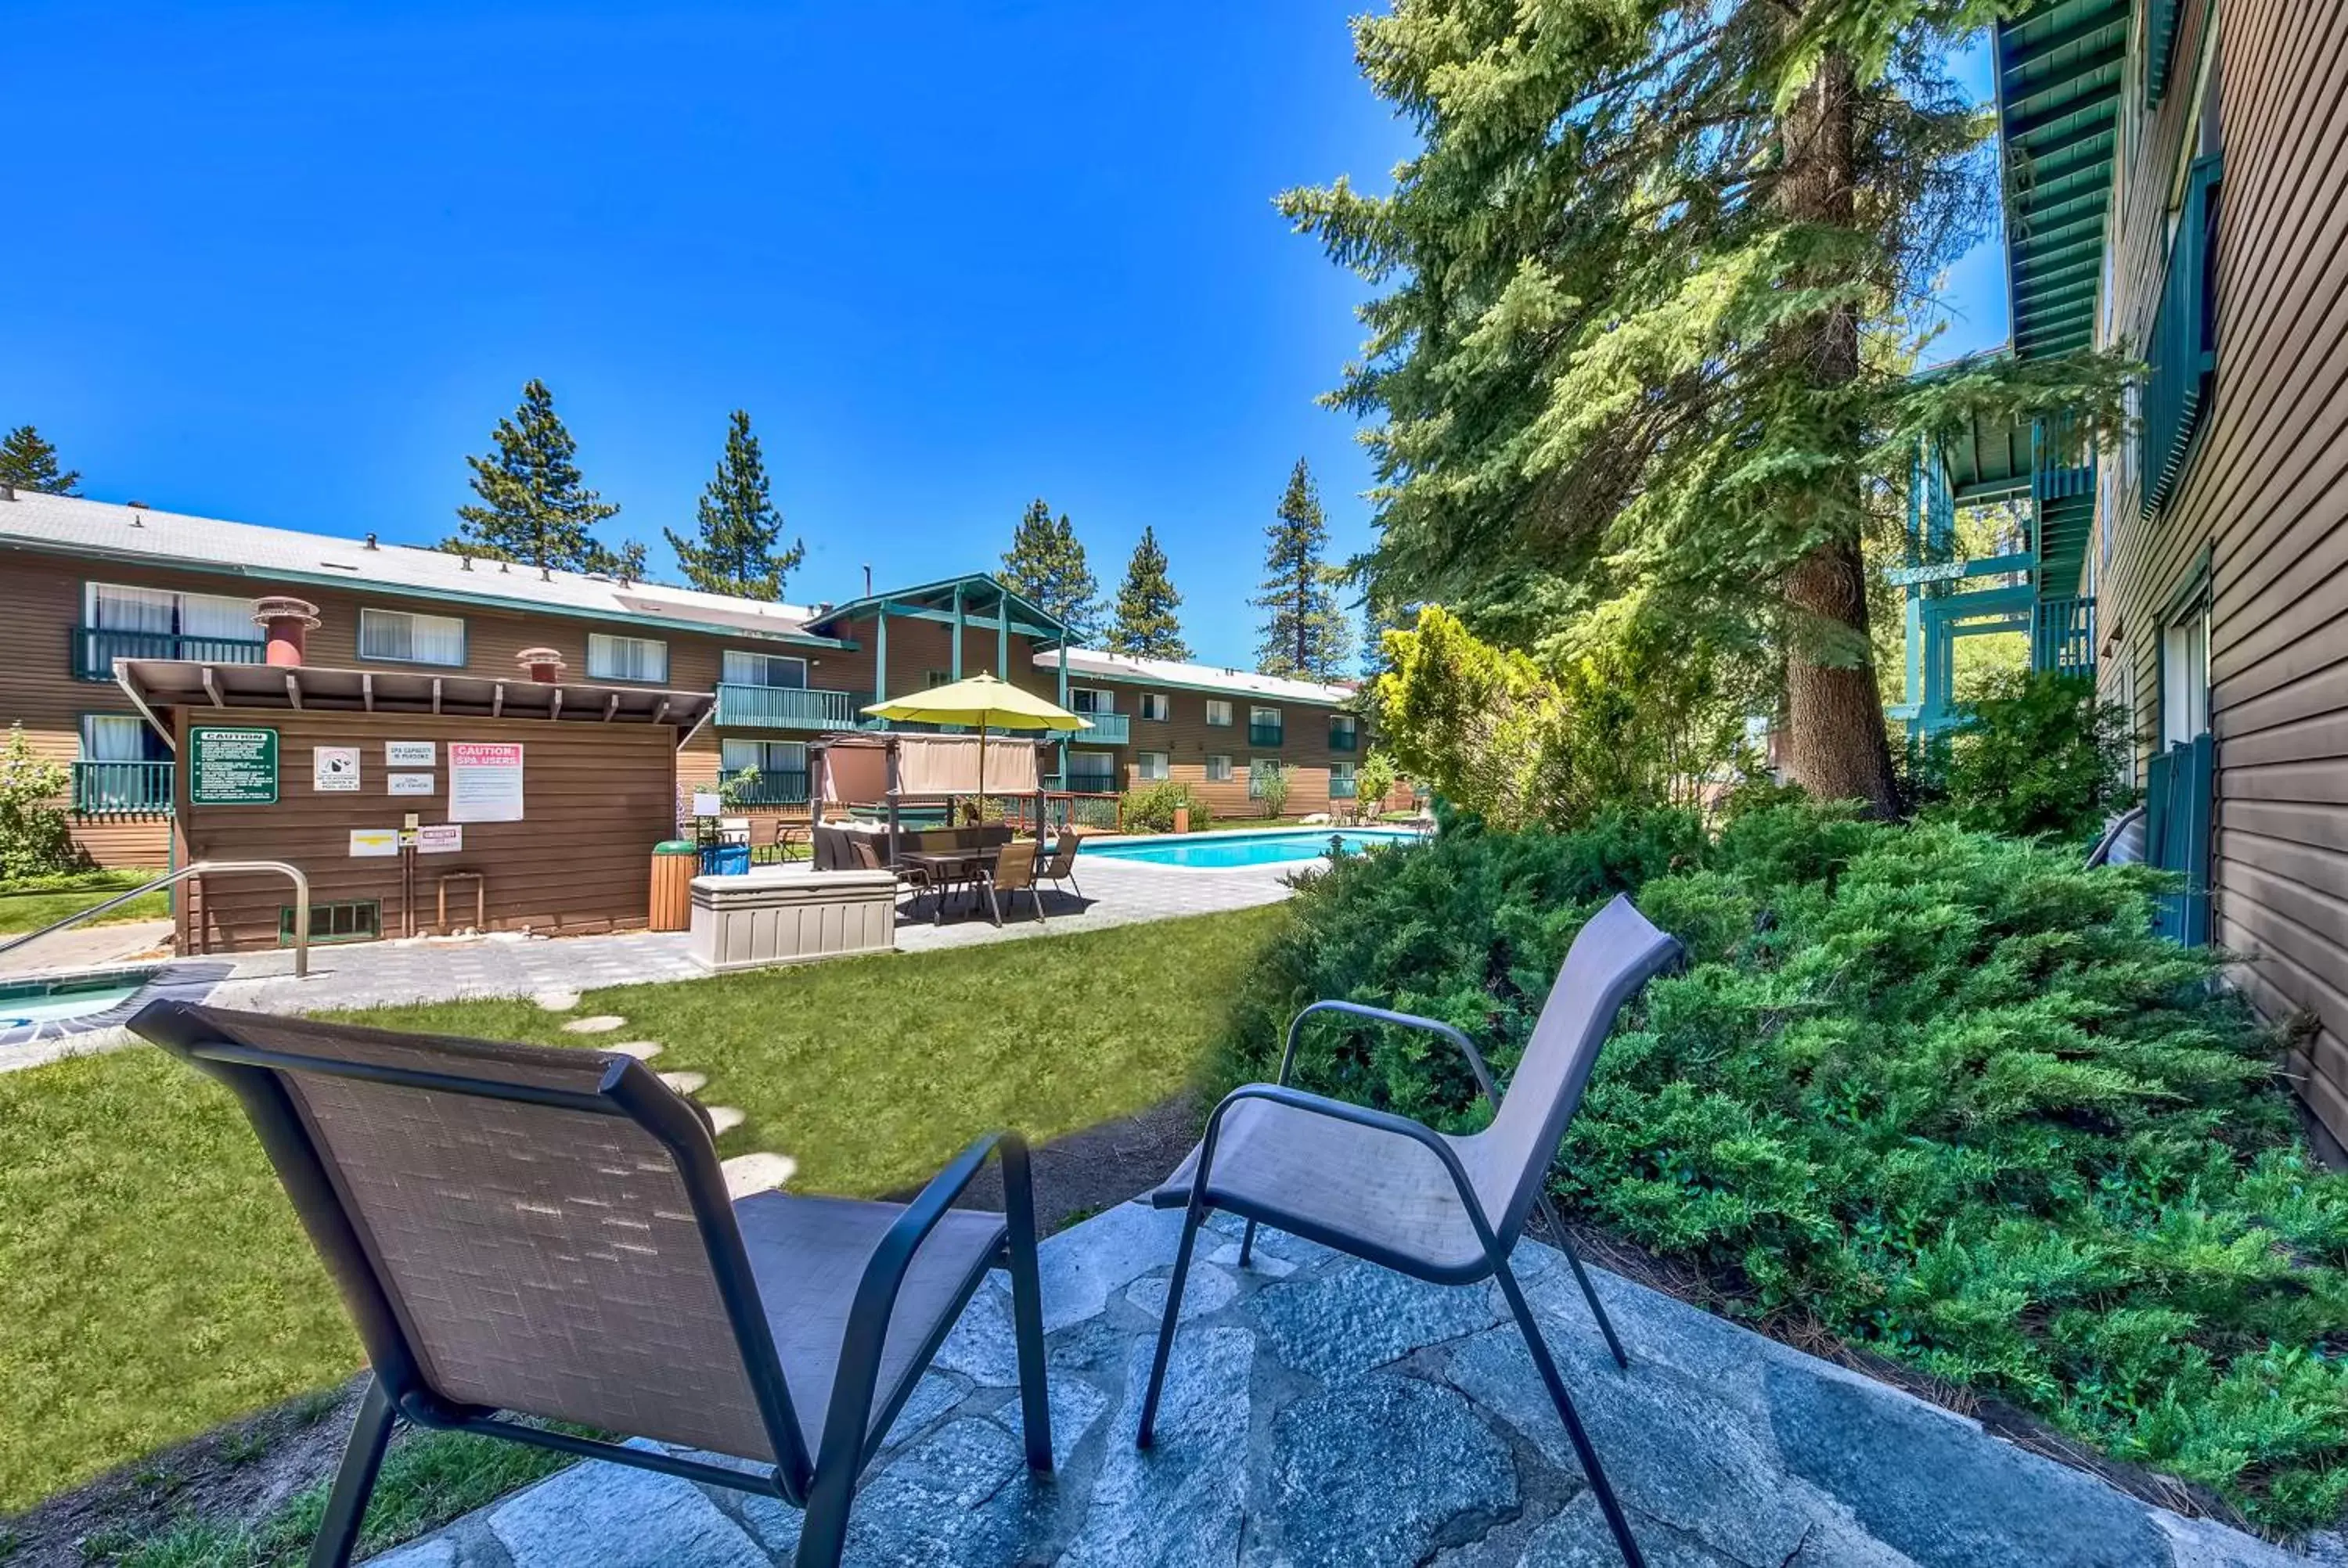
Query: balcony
(782, 786)
(122, 788)
(1345, 740)
(1109, 729)
(95, 648)
(1341, 788)
(1265, 735)
(784, 708)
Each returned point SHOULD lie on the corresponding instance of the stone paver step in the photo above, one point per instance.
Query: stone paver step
(759, 1173)
(598, 1023)
(686, 1082)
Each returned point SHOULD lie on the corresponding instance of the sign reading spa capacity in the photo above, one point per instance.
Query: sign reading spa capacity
(484, 781)
(233, 767)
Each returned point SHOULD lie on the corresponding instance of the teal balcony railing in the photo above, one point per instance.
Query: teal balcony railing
(784, 708)
(95, 648)
(1265, 735)
(1109, 729)
(1344, 739)
(779, 786)
(118, 788)
(1341, 788)
(2183, 352)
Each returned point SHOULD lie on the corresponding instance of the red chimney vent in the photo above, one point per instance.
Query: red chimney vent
(287, 622)
(545, 664)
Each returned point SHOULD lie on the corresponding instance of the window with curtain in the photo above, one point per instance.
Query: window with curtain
(1156, 706)
(120, 738)
(1219, 769)
(626, 657)
(1150, 765)
(403, 637)
(113, 607)
(1090, 700)
(767, 756)
(1219, 712)
(1092, 770)
(743, 668)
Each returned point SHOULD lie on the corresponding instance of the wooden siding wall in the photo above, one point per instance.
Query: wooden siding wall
(2265, 496)
(596, 798)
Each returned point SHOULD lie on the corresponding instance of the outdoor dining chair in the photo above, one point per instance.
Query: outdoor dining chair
(1014, 871)
(524, 1230)
(1381, 1187)
(1062, 866)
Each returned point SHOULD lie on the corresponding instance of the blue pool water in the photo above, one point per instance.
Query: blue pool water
(31, 1003)
(1224, 850)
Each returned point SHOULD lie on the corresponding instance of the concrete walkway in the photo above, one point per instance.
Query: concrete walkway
(1322, 1411)
(88, 946)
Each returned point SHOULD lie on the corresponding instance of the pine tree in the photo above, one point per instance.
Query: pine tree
(1147, 627)
(739, 526)
(1647, 318)
(1045, 566)
(534, 507)
(1305, 633)
(29, 463)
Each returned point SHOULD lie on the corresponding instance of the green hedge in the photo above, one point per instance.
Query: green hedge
(1939, 1089)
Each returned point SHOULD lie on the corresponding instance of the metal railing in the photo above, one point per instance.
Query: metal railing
(1347, 740)
(784, 708)
(777, 786)
(94, 649)
(1265, 734)
(1109, 729)
(99, 788)
(1341, 788)
(201, 868)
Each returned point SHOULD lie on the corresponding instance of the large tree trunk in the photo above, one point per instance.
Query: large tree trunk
(1837, 749)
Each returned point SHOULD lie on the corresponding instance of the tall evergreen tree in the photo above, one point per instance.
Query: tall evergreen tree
(1649, 307)
(29, 463)
(1046, 565)
(1305, 633)
(1147, 627)
(534, 507)
(739, 528)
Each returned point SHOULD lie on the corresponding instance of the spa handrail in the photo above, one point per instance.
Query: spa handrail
(301, 903)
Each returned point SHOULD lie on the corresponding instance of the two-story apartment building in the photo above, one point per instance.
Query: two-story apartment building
(2179, 179)
(84, 583)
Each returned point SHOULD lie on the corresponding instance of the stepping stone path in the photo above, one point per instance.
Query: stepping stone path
(557, 1001)
(724, 1119)
(760, 1173)
(686, 1082)
(642, 1050)
(599, 1023)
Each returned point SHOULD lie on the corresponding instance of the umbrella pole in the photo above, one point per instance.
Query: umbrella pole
(982, 772)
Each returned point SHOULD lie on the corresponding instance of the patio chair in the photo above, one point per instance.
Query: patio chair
(864, 855)
(1062, 866)
(1444, 1209)
(1013, 870)
(524, 1230)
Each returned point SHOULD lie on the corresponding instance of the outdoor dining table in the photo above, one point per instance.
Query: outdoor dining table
(947, 867)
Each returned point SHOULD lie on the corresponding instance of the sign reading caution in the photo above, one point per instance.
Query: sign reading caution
(231, 767)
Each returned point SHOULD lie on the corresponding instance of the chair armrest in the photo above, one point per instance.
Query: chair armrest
(1400, 1020)
(1360, 1116)
(844, 1433)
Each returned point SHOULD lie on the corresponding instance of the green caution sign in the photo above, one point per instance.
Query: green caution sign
(231, 767)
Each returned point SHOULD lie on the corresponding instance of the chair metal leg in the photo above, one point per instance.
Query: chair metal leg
(1146, 1432)
(1581, 1275)
(1247, 1244)
(338, 1533)
(1026, 1304)
(823, 1528)
(1612, 1510)
(993, 908)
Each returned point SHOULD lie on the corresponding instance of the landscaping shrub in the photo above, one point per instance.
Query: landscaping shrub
(35, 839)
(1939, 1090)
(2040, 755)
(1151, 809)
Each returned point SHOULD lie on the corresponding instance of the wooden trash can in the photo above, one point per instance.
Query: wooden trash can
(675, 863)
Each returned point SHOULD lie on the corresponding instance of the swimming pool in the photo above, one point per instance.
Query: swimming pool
(31, 1004)
(1223, 851)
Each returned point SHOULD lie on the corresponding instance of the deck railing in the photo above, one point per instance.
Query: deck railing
(1265, 734)
(778, 787)
(119, 788)
(784, 708)
(1109, 729)
(94, 649)
(1342, 788)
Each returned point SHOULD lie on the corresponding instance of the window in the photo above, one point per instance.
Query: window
(1156, 706)
(1091, 700)
(355, 920)
(120, 738)
(933, 679)
(124, 765)
(1219, 712)
(112, 608)
(1259, 770)
(1219, 768)
(782, 768)
(1149, 766)
(402, 636)
(1264, 727)
(2185, 674)
(1341, 781)
(626, 657)
(740, 667)
(1342, 737)
(1092, 771)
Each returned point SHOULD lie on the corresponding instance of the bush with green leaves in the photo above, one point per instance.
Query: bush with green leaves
(2039, 754)
(1939, 1091)
(35, 836)
(1151, 809)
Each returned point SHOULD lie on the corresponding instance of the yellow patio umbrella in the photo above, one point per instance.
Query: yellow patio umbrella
(983, 700)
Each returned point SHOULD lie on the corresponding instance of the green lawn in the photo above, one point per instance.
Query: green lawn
(153, 1282)
(31, 910)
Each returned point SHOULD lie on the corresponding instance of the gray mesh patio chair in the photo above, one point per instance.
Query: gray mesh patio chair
(1382, 1187)
(1062, 866)
(543, 1232)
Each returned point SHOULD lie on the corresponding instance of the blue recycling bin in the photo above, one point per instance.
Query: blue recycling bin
(726, 860)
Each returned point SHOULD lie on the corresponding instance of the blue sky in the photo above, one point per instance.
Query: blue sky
(289, 264)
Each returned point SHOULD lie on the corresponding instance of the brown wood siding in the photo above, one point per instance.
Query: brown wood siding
(596, 798)
(2263, 500)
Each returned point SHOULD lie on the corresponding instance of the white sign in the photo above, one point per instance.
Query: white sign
(408, 753)
(439, 838)
(484, 781)
(367, 842)
(707, 803)
(334, 768)
(410, 783)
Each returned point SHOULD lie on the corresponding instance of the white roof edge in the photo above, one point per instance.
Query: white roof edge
(1212, 677)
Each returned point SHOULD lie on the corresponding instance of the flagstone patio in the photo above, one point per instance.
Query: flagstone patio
(1321, 1412)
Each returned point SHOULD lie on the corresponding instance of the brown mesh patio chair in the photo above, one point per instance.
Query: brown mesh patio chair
(524, 1230)
(1013, 871)
(1062, 866)
(1440, 1208)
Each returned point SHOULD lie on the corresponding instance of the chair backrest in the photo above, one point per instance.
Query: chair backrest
(1015, 865)
(1064, 855)
(2123, 842)
(989, 833)
(863, 853)
(1615, 954)
(514, 1227)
